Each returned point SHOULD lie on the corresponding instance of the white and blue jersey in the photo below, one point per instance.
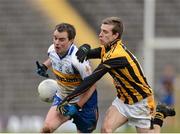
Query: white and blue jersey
(68, 70)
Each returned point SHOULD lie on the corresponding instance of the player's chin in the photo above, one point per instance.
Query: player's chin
(101, 42)
(57, 49)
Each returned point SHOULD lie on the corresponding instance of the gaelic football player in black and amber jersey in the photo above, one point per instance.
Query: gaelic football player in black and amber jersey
(134, 103)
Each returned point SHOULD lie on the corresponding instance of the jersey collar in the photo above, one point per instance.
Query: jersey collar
(110, 45)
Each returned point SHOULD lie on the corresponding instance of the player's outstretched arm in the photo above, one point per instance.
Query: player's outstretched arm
(42, 68)
(85, 52)
(100, 71)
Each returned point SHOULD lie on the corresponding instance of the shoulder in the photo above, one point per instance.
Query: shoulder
(75, 61)
(72, 54)
(72, 50)
(118, 50)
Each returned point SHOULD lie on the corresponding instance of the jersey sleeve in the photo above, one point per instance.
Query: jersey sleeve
(119, 62)
(50, 49)
(97, 74)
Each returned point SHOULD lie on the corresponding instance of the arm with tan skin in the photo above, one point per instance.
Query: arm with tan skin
(85, 96)
(71, 109)
(47, 63)
(84, 70)
(86, 84)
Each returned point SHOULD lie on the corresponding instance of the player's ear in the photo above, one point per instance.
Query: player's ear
(116, 35)
(72, 40)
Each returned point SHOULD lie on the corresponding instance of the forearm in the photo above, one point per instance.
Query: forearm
(85, 96)
(88, 82)
(47, 63)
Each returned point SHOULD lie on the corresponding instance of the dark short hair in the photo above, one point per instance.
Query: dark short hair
(68, 28)
(117, 23)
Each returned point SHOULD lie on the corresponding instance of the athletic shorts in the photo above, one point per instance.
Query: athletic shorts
(85, 120)
(138, 114)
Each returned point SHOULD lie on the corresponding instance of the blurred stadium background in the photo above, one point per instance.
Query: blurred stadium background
(152, 32)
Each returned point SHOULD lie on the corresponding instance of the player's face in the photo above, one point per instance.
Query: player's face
(61, 42)
(106, 35)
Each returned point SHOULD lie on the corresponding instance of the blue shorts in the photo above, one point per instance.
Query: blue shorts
(85, 120)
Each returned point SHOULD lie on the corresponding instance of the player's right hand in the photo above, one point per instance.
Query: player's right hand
(83, 52)
(41, 69)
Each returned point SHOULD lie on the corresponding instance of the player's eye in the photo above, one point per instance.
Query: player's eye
(62, 39)
(55, 38)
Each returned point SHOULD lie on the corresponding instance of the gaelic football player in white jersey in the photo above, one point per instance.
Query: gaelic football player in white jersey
(69, 73)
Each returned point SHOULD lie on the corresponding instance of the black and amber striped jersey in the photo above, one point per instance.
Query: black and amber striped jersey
(122, 65)
(129, 79)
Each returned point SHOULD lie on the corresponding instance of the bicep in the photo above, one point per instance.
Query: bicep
(47, 62)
